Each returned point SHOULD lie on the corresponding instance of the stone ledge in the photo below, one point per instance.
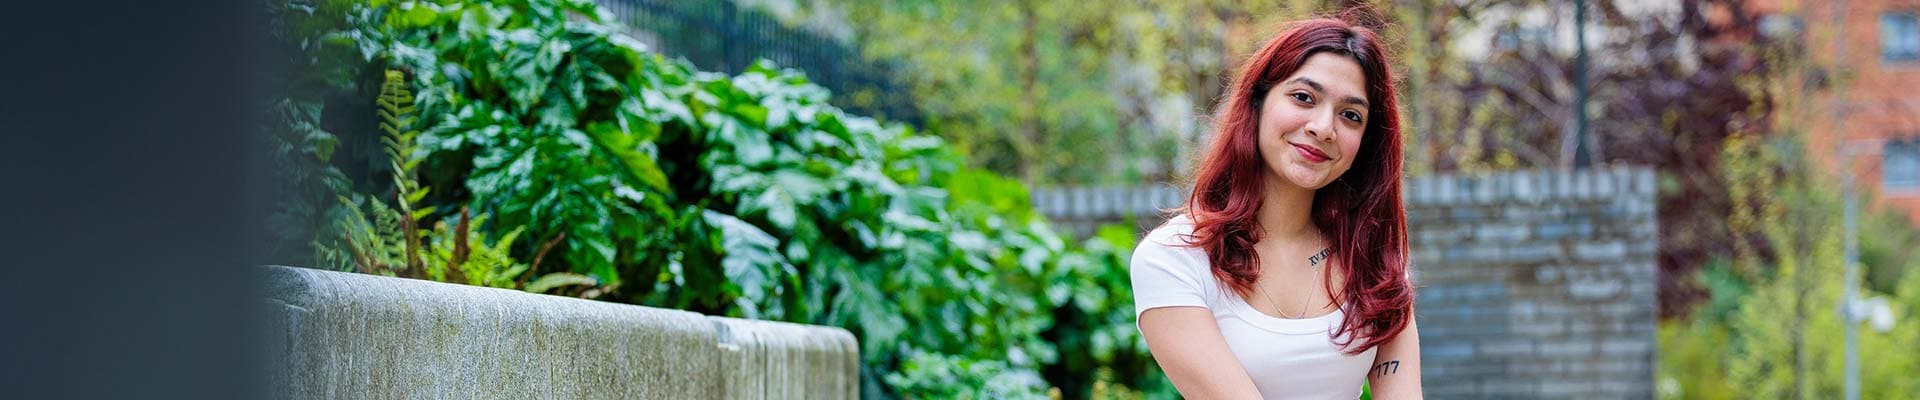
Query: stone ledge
(350, 335)
(1596, 185)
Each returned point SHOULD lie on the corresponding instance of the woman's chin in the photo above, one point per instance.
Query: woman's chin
(1314, 184)
(1305, 177)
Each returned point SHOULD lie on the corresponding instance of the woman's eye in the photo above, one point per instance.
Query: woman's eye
(1350, 116)
(1303, 97)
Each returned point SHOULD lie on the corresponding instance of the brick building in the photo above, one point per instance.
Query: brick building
(1872, 108)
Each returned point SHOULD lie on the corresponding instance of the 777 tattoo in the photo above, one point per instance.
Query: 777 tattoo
(1385, 368)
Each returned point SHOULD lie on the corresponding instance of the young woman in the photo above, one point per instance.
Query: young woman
(1285, 276)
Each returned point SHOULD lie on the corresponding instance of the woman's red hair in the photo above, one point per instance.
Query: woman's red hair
(1361, 210)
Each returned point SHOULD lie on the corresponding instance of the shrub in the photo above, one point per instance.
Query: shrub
(653, 183)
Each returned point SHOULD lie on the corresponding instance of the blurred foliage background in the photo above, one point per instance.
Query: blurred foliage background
(1719, 95)
(538, 145)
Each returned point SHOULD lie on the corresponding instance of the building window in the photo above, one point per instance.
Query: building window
(1900, 164)
(1781, 26)
(1900, 37)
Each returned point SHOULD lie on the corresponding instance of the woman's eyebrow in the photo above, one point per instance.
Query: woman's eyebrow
(1323, 89)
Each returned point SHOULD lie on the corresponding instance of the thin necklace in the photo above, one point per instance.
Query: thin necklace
(1312, 262)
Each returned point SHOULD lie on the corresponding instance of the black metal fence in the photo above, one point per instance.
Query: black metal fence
(717, 35)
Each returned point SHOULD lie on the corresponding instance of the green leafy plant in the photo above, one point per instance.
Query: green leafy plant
(395, 107)
(949, 377)
(379, 239)
(657, 184)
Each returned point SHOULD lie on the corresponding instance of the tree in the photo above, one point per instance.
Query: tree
(1667, 86)
(1057, 92)
(1784, 331)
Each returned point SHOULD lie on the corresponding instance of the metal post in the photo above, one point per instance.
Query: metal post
(1581, 158)
(1849, 309)
(1850, 238)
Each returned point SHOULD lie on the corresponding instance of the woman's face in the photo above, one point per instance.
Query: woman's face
(1311, 121)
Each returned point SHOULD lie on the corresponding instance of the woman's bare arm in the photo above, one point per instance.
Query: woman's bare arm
(1186, 341)
(1396, 367)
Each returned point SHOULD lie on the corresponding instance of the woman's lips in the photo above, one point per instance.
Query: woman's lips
(1312, 154)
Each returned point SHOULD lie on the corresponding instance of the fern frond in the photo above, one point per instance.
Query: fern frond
(395, 106)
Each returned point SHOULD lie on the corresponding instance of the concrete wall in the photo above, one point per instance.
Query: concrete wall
(1536, 284)
(369, 337)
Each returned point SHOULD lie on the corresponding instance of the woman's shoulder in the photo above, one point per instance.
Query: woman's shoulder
(1175, 232)
(1171, 239)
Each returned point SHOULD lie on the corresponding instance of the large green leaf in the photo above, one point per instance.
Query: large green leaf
(625, 146)
(555, 280)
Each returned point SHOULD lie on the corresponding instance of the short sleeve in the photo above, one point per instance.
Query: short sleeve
(1164, 277)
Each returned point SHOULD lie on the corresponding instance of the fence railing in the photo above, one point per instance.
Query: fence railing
(722, 36)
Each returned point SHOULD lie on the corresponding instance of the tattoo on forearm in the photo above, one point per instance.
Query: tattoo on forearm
(1385, 368)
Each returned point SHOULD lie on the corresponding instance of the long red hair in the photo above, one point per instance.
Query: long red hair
(1362, 210)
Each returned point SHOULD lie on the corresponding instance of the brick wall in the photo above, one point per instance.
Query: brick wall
(1535, 284)
(1081, 210)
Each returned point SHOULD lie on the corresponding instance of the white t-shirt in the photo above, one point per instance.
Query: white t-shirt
(1287, 358)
